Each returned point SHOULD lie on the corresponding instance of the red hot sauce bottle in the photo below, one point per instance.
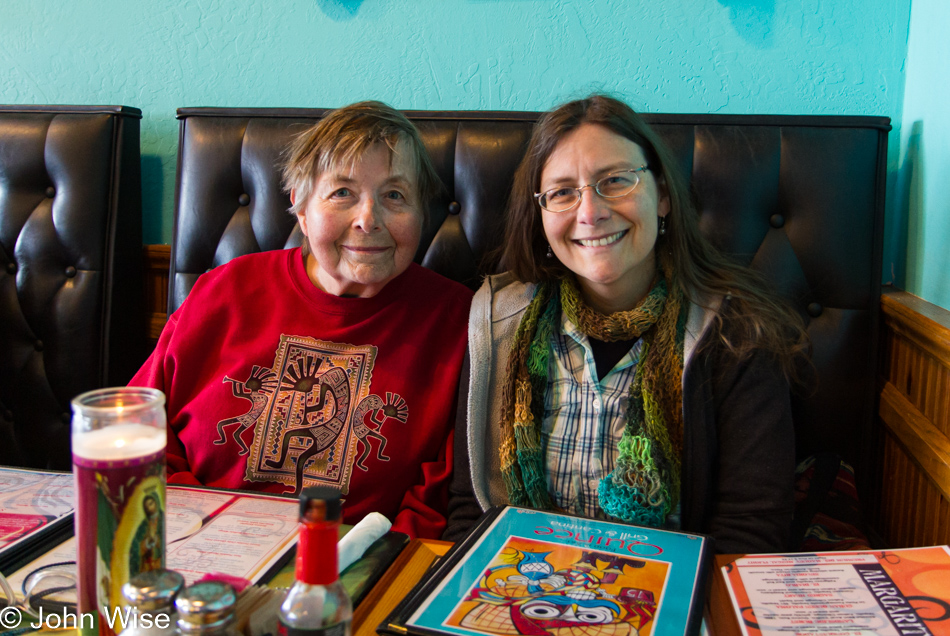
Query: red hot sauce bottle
(317, 604)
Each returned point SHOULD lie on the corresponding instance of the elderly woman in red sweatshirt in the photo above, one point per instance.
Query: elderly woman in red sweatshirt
(332, 364)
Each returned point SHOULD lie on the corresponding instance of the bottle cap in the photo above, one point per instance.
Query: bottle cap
(320, 503)
(207, 605)
(153, 590)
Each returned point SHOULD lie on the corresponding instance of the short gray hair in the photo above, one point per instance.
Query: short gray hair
(343, 136)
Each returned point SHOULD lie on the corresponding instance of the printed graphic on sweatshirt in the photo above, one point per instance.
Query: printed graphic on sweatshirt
(313, 415)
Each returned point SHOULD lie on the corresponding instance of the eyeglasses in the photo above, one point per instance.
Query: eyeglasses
(613, 186)
(50, 588)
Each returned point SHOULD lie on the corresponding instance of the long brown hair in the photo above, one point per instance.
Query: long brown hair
(755, 319)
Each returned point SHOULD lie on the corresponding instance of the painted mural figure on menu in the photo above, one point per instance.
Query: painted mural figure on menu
(562, 592)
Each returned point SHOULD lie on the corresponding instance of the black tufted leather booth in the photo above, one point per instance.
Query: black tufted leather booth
(71, 301)
(800, 198)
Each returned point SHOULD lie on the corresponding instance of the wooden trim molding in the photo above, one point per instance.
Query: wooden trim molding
(157, 262)
(916, 356)
(928, 326)
(926, 446)
(911, 502)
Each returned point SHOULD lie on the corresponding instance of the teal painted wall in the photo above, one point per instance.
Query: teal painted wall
(923, 193)
(719, 56)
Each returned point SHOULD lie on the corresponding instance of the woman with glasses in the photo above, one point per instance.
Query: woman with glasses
(622, 367)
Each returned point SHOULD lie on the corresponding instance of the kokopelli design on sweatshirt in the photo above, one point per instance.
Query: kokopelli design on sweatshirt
(314, 417)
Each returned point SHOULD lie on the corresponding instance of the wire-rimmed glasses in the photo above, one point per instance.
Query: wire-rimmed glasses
(51, 587)
(613, 186)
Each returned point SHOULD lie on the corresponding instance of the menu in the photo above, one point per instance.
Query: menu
(240, 534)
(33, 504)
(524, 571)
(888, 593)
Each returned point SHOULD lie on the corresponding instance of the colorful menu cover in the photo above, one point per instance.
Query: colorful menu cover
(902, 592)
(36, 511)
(543, 574)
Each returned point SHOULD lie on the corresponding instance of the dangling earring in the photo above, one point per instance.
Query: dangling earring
(662, 225)
(550, 253)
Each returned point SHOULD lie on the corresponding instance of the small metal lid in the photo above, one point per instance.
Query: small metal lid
(320, 503)
(153, 590)
(206, 605)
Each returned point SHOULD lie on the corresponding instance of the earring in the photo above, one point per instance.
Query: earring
(550, 253)
(662, 225)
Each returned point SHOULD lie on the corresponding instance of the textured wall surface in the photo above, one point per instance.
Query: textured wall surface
(923, 192)
(720, 56)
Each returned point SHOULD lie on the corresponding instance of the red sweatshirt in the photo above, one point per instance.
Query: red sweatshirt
(272, 383)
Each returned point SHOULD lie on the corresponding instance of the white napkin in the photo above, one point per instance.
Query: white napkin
(354, 543)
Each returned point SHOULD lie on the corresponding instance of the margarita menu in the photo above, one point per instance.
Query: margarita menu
(884, 592)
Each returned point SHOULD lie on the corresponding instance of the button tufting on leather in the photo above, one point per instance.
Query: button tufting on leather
(479, 158)
(244, 199)
(84, 164)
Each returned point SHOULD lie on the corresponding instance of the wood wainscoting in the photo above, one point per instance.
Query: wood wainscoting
(157, 260)
(911, 505)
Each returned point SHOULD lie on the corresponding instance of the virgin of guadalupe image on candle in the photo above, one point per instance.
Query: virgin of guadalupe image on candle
(535, 588)
(147, 545)
(138, 543)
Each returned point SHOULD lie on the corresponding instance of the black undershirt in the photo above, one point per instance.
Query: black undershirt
(608, 354)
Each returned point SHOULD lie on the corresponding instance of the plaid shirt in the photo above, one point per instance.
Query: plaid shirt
(583, 419)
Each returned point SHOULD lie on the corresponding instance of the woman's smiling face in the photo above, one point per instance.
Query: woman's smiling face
(363, 223)
(607, 243)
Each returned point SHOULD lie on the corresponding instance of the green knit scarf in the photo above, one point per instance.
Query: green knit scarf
(644, 486)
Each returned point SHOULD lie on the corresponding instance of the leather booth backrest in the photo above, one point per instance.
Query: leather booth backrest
(800, 198)
(71, 310)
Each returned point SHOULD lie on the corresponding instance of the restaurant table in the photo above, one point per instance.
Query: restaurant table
(402, 576)
(720, 616)
(410, 566)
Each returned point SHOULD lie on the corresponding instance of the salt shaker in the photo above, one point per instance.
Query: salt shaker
(207, 609)
(152, 598)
